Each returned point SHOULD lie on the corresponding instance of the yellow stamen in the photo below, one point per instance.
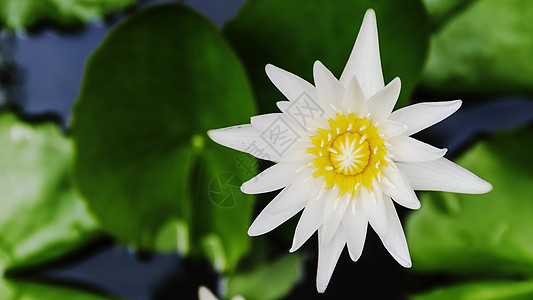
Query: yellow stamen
(344, 152)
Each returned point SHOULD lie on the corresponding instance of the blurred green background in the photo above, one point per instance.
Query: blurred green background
(110, 187)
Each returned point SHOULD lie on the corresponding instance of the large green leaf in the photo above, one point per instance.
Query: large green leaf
(483, 50)
(482, 290)
(490, 233)
(27, 290)
(293, 34)
(151, 90)
(16, 14)
(268, 281)
(41, 217)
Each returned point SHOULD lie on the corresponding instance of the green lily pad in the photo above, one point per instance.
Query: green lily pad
(17, 14)
(42, 217)
(488, 234)
(482, 290)
(484, 50)
(150, 92)
(27, 290)
(293, 34)
(441, 10)
(268, 281)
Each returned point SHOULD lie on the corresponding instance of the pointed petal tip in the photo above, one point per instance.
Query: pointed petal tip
(364, 61)
(317, 65)
(269, 68)
(294, 247)
(355, 256)
(214, 135)
(370, 13)
(407, 264)
(370, 20)
(210, 132)
(396, 84)
(479, 187)
(205, 294)
(252, 231)
(220, 136)
(244, 188)
(321, 285)
(397, 81)
(403, 259)
(456, 104)
(486, 187)
(441, 152)
(415, 206)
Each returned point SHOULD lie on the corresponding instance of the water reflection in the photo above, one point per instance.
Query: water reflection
(53, 64)
(9, 73)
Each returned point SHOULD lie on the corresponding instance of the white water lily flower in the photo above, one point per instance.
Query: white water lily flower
(342, 156)
(205, 294)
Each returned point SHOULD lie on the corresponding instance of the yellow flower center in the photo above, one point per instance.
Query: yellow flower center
(349, 154)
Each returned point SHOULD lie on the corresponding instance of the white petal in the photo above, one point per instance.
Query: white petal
(364, 63)
(205, 294)
(274, 178)
(244, 138)
(408, 149)
(422, 115)
(328, 255)
(296, 194)
(264, 122)
(283, 105)
(298, 153)
(353, 99)
(443, 175)
(372, 205)
(266, 220)
(395, 241)
(402, 192)
(310, 122)
(328, 88)
(261, 122)
(279, 132)
(289, 84)
(331, 201)
(320, 122)
(390, 128)
(332, 222)
(309, 222)
(382, 103)
(355, 225)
